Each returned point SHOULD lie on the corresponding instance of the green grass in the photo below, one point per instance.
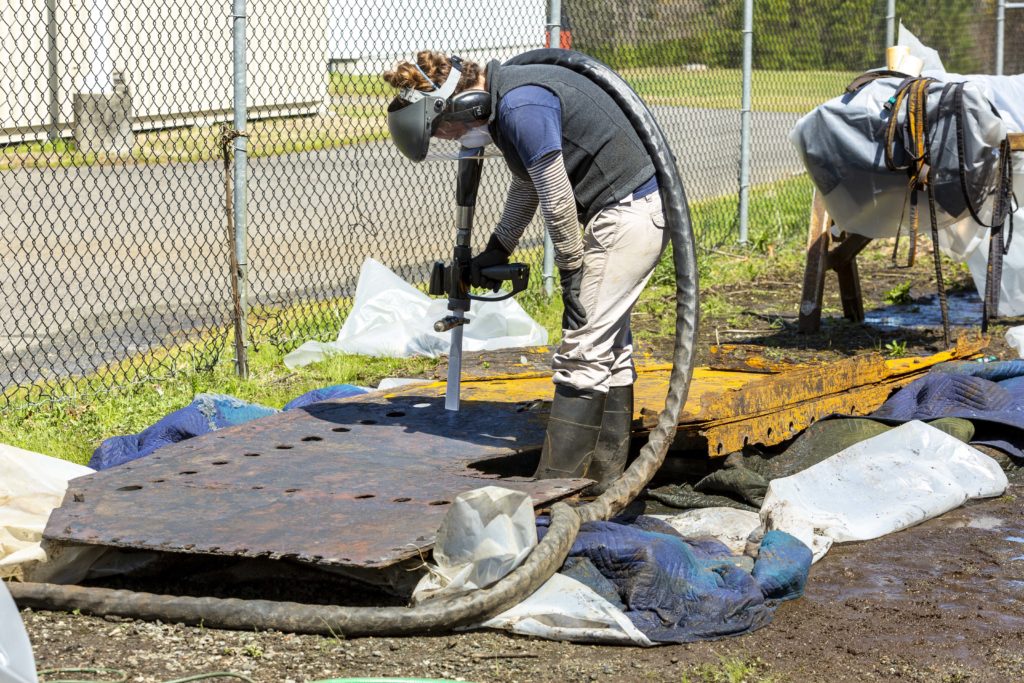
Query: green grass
(779, 91)
(270, 137)
(72, 429)
(359, 116)
(86, 410)
(359, 85)
(728, 670)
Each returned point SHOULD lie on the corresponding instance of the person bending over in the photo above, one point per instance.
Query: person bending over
(572, 152)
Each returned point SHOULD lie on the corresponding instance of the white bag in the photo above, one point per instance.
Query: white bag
(392, 318)
(16, 662)
(886, 483)
(486, 534)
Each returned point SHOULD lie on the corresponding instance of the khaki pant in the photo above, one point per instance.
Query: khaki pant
(621, 246)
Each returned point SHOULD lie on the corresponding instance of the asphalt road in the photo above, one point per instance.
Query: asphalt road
(102, 262)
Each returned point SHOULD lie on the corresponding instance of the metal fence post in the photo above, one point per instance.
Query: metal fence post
(1000, 35)
(745, 118)
(239, 208)
(890, 23)
(52, 75)
(554, 40)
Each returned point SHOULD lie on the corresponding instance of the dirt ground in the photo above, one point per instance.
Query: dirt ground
(943, 601)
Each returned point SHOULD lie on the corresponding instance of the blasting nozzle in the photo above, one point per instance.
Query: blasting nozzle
(449, 322)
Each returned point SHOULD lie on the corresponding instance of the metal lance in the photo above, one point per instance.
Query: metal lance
(470, 165)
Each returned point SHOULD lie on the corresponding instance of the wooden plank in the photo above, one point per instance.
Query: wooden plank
(818, 240)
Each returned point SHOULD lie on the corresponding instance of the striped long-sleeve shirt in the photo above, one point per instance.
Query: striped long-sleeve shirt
(549, 187)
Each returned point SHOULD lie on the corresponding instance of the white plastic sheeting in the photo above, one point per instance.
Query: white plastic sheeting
(390, 317)
(31, 486)
(16, 662)
(1015, 339)
(486, 534)
(730, 526)
(968, 241)
(886, 483)
(565, 609)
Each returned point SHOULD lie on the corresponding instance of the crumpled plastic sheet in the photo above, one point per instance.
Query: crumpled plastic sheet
(1015, 339)
(390, 317)
(678, 591)
(487, 533)
(31, 486)
(16, 662)
(727, 525)
(883, 484)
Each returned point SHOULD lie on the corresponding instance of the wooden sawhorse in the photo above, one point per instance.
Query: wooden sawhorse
(826, 252)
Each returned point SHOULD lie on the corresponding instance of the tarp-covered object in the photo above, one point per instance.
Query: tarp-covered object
(390, 317)
(842, 146)
(883, 484)
(680, 591)
(31, 486)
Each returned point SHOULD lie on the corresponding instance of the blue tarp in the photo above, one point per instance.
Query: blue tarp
(206, 413)
(325, 394)
(679, 591)
(990, 395)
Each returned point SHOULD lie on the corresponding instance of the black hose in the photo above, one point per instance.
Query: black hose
(684, 257)
(443, 614)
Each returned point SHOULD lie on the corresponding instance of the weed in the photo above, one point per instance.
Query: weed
(900, 294)
(728, 670)
(896, 348)
(253, 650)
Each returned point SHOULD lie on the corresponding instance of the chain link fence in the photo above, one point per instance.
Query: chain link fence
(114, 177)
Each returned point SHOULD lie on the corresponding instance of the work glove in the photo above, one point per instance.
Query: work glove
(494, 255)
(574, 316)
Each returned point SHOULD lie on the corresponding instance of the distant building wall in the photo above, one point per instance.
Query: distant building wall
(175, 58)
(370, 37)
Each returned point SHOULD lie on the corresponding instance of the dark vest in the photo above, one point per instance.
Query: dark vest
(603, 155)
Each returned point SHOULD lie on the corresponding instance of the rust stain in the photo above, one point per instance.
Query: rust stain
(747, 358)
(765, 403)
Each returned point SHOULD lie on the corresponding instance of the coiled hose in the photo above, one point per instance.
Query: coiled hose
(443, 614)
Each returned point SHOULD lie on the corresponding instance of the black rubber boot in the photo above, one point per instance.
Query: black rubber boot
(613, 443)
(573, 428)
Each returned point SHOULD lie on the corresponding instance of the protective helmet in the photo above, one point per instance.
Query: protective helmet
(415, 116)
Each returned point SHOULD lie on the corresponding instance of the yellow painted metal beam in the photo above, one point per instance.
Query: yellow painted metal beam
(728, 409)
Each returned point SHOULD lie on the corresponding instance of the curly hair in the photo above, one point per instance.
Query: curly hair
(436, 65)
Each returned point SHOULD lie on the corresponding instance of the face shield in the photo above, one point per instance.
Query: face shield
(438, 124)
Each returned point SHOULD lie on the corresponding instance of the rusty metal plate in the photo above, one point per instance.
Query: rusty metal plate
(350, 483)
